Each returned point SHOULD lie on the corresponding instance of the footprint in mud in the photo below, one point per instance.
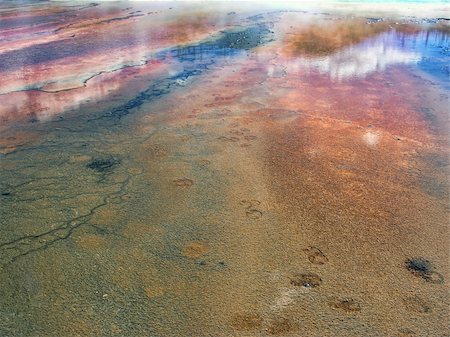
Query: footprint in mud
(250, 137)
(315, 255)
(348, 305)
(228, 139)
(195, 250)
(279, 326)
(79, 158)
(237, 132)
(204, 162)
(154, 292)
(5, 195)
(251, 210)
(250, 203)
(183, 182)
(253, 214)
(416, 304)
(156, 151)
(102, 164)
(307, 280)
(246, 322)
(281, 114)
(423, 268)
(404, 332)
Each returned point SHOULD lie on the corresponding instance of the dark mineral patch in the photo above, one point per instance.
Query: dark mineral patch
(418, 265)
(309, 280)
(423, 268)
(5, 196)
(102, 164)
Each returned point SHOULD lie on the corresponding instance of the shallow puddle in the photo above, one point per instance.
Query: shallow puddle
(224, 169)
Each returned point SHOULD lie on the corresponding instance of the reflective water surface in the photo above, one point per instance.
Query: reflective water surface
(171, 169)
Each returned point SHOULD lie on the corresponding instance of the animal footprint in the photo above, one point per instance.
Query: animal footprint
(346, 304)
(416, 304)
(103, 164)
(250, 203)
(253, 214)
(183, 182)
(237, 132)
(250, 137)
(228, 139)
(315, 255)
(247, 321)
(204, 162)
(279, 326)
(250, 208)
(309, 280)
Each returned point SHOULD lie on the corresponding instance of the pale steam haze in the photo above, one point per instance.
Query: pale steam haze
(359, 61)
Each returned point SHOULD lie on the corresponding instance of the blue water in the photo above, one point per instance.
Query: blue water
(434, 48)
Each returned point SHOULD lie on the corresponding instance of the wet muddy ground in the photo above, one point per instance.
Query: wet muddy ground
(172, 169)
